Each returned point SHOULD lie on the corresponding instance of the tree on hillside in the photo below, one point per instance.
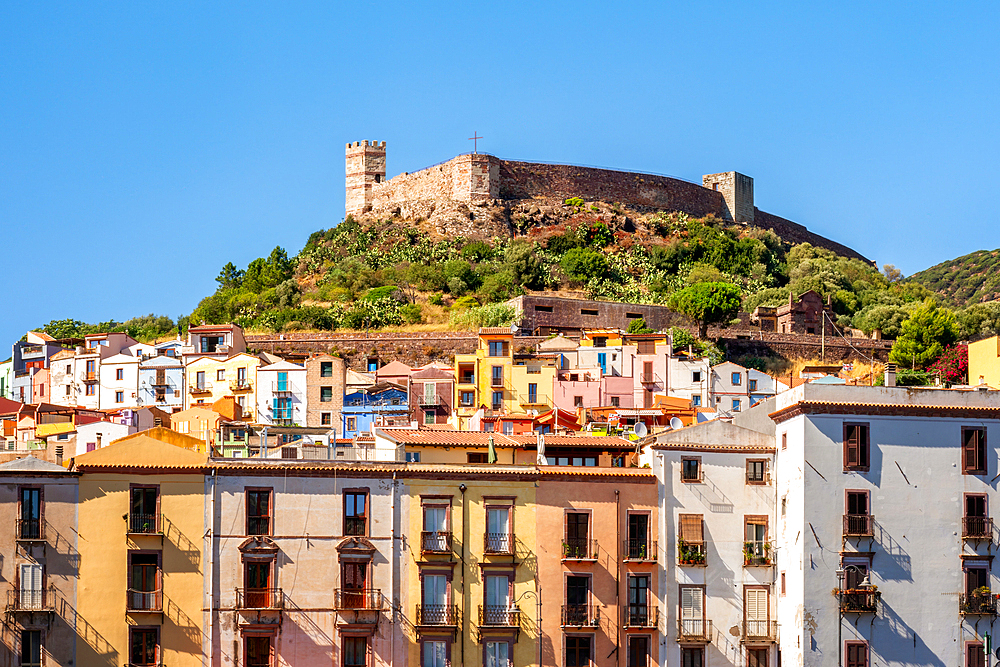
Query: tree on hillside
(583, 264)
(924, 335)
(707, 303)
(638, 326)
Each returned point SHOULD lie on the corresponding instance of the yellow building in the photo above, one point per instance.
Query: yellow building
(984, 362)
(470, 595)
(501, 380)
(601, 338)
(208, 379)
(141, 568)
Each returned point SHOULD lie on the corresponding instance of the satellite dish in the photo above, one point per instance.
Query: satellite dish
(676, 423)
(640, 429)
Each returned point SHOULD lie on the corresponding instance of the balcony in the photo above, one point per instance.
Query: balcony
(639, 549)
(143, 601)
(977, 528)
(757, 554)
(648, 378)
(428, 401)
(499, 616)
(691, 554)
(858, 525)
(579, 548)
(580, 616)
(760, 632)
(241, 384)
(498, 543)
(534, 399)
(89, 377)
(30, 530)
(435, 542)
(694, 630)
(259, 598)
(467, 378)
(353, 599)
(196, 388)
(142, 524)
(31, 601)
(496, 381)
(437, 615)
(640, 615)
(859, 600)
(981, 602)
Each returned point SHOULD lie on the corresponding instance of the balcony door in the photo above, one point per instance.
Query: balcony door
(756, 611)
(144, 582)
(435, 599)
(282, 381)
(497, 654)
(142, 517)
(435, 654)
(199, 379)
(638, 600)
(498, 529)
(638, 651)
(355, 578)
(977, 576)
(577, 524)
(30, 592)
(31, 514)
(638, 530)
(497, 599)
(436, 527)
(144, 647)
(693, 611)
(257, 582)
(577, 599)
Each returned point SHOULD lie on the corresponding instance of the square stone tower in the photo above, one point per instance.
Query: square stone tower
(737, 194)
(365, 166)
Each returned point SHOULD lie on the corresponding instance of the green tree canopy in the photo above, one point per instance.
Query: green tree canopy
(924, 335)
(707, 303)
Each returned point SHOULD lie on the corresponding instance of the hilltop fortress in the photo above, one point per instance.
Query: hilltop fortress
(483, 187)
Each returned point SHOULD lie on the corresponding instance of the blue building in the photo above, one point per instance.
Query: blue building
(382, 404)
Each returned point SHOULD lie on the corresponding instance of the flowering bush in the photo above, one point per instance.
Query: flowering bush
(952, 364)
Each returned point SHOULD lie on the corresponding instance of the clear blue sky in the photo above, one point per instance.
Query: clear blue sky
(144, 145)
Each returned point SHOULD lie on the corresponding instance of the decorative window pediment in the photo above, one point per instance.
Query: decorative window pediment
(356, 546)
(260, 545)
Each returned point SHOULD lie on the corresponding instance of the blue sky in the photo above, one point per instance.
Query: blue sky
(142, 145)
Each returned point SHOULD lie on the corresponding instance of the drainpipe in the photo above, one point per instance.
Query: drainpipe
(211, 575)
(465, 524)
(618, 570)
(392, 572)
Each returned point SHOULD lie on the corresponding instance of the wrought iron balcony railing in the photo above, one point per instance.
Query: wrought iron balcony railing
(635, 615)
(355, 525)
(984, 604)
(859, 600)
(579, 548)
(31, 600)
(435, 542)
(977, 528)
(136, 600)
(143, 524)
(499, 615)
(30, 530)
(258, 525)
(498, 543)
(259, 598)
(858, 525)
(694, 630)
(579, 615)
(437, 614)
(639, 549)
(350, 598)
(760, 631)
(691, 553)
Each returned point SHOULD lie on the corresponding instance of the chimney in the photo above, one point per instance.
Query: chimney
(99, 440)
(59, 455)
(890, 375)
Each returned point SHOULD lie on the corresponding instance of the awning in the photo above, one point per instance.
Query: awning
(45, 430)
(639, 413)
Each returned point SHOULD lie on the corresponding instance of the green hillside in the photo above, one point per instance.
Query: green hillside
(966, 280)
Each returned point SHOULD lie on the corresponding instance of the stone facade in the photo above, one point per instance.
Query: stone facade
(803, 316)
(316, 379)
(737, 194)
(365, 168)
(545, 315)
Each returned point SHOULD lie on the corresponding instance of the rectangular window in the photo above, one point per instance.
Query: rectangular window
(476, 457)
(89, 390)
(30, 587)
(258, 503)
(647, 347)
(325, 394)
(199, 380)
(638, 537)
(119, 373)
(434, 654)
(468, 398)
(119, 396)
(578, 651)
(856, 447)
(577, 601)
(737, 405)
(352, 424)
(588, 311)
(498, 530)
(977, 577)
(693, 656)
(695, 376)
(413, 457)
(737, 379)
(220, 374)
(30, 513)
(258, 651)
(638, 651)
(496, 376)
(756, 548)
(543, 309)
(976, 521)
(856, 654)
(325, 419)
(532, 393)
(508, 428)
(144, 646)
(497, 654)
(756, 471)
(437, 533)
(498, 348)
(31, 648)
(692, 611)
(68, 390)
(356, 513)
(210, 344)
(757, 657)
(638, 612)
(355, 651)
(973, 450)
(974, 655)
(691, 469)
(784, 441)
(615, 401)
(326, 369)
(144, 510)
(756, 612)
(430, 417)
(600, 341)
(577, 533)
(497, 401)
(144, 582)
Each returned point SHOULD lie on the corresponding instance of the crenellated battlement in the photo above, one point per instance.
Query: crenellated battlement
(370, 144)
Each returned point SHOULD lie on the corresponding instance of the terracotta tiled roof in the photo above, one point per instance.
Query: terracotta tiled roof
(566, 471)
(493, 331)
(574, 441)
(141, 452)
(447, 438)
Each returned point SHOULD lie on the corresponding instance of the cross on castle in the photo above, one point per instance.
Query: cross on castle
(475, 141)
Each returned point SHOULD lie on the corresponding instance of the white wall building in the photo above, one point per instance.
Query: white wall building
(730, 387)
(281, 394)
(689, 377)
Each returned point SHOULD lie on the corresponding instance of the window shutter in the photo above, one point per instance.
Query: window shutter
(691, 528)
(756, 604)
(851, 446)
(971, 450)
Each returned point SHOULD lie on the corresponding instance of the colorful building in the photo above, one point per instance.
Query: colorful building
(211, 377)
(141, 562)
(326, 379)
(984, 362)
(281, 394)
(382, 404)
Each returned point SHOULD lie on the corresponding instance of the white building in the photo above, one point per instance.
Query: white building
(119, 386)
(882, 536)
(281, 394)
(689, 377)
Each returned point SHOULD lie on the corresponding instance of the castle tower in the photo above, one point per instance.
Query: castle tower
(365, 166)
(737, 194)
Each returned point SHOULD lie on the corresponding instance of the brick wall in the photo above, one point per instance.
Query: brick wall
(315, 381)
(549, 314)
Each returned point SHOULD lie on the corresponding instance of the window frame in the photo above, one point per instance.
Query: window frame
(425, 639)
(41, 507)
(21, 662)
(130, 584)
(326, 394)
(692, 480)
(981, 453)
(974, 648)
(270, 505)
(590, 650)
(366, 515)
(763, 472)
(355, 637)
(269, 636)
(736, 379)
(862, 461)
(867, 657)
(158, 657)
(325, 366)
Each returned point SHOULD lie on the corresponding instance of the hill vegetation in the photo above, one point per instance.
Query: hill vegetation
(966, 280)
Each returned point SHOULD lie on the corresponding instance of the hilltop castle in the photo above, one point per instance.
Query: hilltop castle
(481, 179)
